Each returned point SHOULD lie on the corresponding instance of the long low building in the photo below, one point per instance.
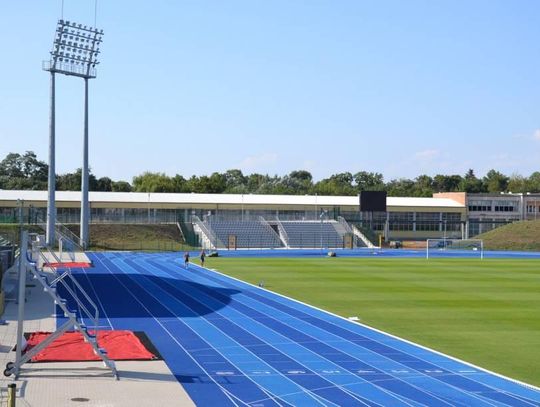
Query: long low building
(453, 214)
(406, 218)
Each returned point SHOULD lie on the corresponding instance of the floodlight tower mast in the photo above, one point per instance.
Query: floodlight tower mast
(75, 51)
(51, 184)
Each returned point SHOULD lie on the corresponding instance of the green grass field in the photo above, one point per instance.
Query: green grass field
(485, 312)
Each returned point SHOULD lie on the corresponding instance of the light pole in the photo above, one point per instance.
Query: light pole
(51, 184)
(74, 53)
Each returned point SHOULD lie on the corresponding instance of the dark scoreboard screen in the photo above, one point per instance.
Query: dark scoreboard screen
(373, 201)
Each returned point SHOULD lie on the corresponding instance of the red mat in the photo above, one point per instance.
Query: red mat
(71, 347)
(69, 264)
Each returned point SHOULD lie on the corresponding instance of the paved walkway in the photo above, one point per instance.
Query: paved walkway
(148, 383)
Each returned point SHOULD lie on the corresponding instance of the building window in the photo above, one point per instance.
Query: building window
(506, 206)
(428, 221)
(452, 221)
(477, 205)
(401, 221)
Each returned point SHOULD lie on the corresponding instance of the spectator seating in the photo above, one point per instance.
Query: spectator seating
(311, 234)
(249, 233)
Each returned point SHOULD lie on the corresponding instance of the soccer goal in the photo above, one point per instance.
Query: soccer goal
(448, 247)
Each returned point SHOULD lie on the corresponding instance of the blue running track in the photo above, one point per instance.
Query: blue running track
(365, 252)
(232, 344)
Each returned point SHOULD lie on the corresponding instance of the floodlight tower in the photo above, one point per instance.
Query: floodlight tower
(74, 53)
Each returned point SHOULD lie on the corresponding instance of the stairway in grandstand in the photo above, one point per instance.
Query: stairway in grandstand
(253, 233)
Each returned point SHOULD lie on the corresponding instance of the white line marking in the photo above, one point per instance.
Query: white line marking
(170, 334)
(183, 322)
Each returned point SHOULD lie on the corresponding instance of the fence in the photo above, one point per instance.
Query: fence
(142, 245)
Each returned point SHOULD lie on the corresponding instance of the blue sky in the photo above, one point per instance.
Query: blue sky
(191, 87)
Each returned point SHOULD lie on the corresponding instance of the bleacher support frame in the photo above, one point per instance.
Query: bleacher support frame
(29, 263)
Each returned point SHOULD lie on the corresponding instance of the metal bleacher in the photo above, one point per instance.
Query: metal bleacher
(257, 232)
(313, 234)
(252, 233)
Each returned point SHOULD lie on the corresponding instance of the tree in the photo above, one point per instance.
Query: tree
(72, 181)
(494, 181)
(27, 172)
(23, 172)
(534, 182)
(33, 168)
(269, 185)
(153, 182)
(213, 184)
(235, 182)
(217, 183)
(11, 166)
(446, 183)
(369, 181)
(518, 183)
(297, 182)
(104, 184)
(400, 187)
(423, 186)
(470, 183)
(337, 184)
(180, 183)
(255, 182)
(121, 186)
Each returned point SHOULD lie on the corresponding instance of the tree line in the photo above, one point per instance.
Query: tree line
(27, 172)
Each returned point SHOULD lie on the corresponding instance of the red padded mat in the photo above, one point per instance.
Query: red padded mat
(71, 347)
(69, 264)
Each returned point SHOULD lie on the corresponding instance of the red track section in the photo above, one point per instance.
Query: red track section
(72, 264)
(71, 347)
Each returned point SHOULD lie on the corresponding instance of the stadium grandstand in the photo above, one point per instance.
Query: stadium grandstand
(268, 221)
(284, 221)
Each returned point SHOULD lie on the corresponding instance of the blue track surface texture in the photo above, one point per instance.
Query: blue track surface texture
(232, 344)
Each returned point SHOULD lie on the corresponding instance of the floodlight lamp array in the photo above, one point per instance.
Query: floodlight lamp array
(75, 49)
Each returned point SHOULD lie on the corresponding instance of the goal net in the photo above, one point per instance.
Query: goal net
(455, 247)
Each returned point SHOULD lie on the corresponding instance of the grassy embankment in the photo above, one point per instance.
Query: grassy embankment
(135, 237)
(119, 236)
(515, 236)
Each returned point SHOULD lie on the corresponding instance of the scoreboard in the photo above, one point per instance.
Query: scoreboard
(373, 201)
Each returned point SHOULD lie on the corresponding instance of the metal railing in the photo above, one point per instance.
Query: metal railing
(360, 235)
(210, 235)
(30, 255)
(282, 232)
(61, 278)
(61, 232)
(269, 228)
(341, 220)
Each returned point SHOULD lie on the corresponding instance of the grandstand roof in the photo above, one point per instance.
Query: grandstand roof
(247, 199)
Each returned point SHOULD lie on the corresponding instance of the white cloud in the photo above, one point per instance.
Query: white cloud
(258, 161)
(427, 154)
(535, 136)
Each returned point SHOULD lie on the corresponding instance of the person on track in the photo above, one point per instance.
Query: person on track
(186, 259)
(203, 256)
